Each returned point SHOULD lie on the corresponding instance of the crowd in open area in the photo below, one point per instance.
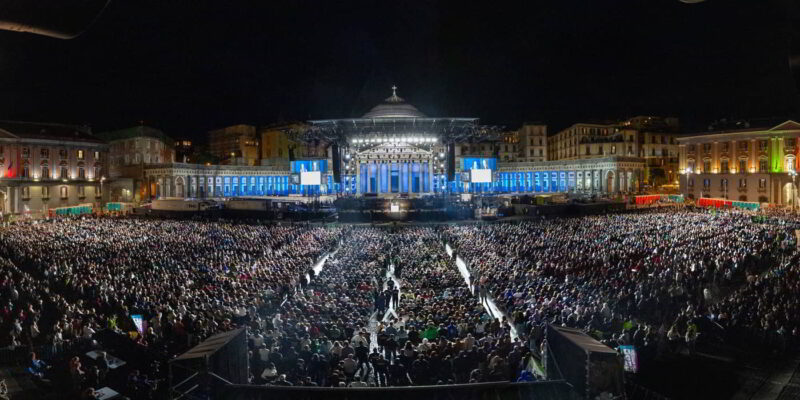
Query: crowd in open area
(388, 306)
(658, 280)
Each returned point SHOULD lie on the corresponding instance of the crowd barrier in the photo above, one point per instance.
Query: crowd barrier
(718, 203)
(654, 198)
(545, 390)
(75, 210)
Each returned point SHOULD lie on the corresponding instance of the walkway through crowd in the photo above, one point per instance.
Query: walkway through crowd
(487, 302)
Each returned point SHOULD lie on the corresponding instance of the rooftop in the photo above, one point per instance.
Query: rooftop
(394, 107)
(136, 131)
(47, 131)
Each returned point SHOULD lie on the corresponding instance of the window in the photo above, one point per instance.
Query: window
(790, 163)
(691, 182)
(707, 148)
(25, 172)
(45, 153)
(743, 183)
(81, 173)
(98, 191)
(97, 173)
(64, 192)
(45, 172)
(26, 192)
(587, 150)
(762, 183)
(692, 148)
(630, 150)
(790, 142)
(81, 191)
(45, 192)
(723, 184)
(725, 168)
(690, 165)
(725, 147)
(707, 166)
(743, 146)
(762, 165)
(96, 155)
(652, 152)
(63, 154)
(706, 184)
(762, 145)
(613, 149)
(26, 152)
(742, 166)
(80, 154)
(64, 174)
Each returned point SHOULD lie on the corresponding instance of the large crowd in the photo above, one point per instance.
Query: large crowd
(386, 306)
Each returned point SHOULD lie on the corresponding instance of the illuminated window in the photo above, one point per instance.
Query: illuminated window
(790, 163)
(80, 154)
(64, 192)
(96, 155)
(762, 183)
(26, 192)
(26, 152)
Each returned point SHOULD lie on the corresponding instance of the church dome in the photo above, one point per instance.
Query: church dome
(394, 107)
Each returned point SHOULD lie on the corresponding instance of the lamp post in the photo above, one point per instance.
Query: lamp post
(793, 174)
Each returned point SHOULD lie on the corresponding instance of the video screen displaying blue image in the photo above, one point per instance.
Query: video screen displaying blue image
(310, 165)
(479, 163)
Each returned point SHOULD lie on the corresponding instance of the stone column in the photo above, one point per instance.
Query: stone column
(369, 177)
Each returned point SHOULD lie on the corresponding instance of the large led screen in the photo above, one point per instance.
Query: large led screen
(311, 178)
(481, 176)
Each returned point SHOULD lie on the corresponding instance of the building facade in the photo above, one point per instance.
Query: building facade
(753, 164)
(532, 142)
(235, 145)
(131, 151)
(48, 166)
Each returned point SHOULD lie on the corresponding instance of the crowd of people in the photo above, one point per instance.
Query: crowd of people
(654, 279)
(387, 306)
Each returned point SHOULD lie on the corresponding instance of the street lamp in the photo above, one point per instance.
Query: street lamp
(793, 174)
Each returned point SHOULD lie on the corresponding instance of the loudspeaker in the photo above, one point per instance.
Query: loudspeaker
(451, 162)
(337, 163)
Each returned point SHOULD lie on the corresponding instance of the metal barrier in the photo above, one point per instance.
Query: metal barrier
(545, 390)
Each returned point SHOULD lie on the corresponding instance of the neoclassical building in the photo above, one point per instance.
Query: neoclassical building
(395, 149)
(753, 164)
(45, 166)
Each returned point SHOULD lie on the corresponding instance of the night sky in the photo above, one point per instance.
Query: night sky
(190, 66)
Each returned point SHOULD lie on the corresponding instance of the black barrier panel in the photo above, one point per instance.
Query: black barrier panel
(549, 390)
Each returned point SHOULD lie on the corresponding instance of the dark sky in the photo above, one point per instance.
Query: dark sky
(191, 66)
